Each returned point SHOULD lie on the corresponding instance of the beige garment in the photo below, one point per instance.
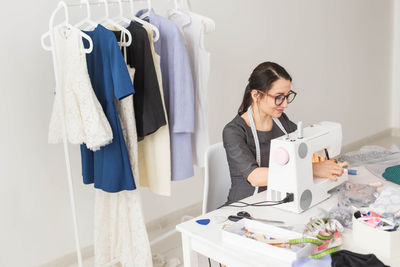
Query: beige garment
(120, 230)
(154, 150)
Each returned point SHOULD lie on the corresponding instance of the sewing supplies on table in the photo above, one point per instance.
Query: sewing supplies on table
(244, 214)
(357, 195)
(342, 214)
(386, 221)
(377, 232)
(351, 172)
(392, 174)
(324, 234)
(244, 234)
(203, 221)
(290, 167)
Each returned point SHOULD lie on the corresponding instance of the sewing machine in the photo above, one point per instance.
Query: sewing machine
(290, 165)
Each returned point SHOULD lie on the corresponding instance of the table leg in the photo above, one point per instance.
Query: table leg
(190, 257)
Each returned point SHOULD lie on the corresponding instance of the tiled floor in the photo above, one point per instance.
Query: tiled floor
(170, 248)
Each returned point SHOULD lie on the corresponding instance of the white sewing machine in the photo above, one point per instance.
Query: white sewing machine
(290, 165)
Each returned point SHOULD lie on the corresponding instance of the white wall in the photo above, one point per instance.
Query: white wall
(338, 52)
(395, 96)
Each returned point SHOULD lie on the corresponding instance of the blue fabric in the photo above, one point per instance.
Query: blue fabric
(325, 261)
(108, 168)
(178, 93)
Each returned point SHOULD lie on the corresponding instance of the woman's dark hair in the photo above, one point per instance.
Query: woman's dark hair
(262, 78)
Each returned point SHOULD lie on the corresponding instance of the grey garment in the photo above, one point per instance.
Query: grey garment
(241, 153)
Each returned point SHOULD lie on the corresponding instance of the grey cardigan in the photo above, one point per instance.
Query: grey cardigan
(241, 153)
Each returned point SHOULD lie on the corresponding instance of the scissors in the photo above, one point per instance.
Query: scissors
(244, 214)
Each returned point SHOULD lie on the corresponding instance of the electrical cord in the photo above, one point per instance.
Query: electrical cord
(289, 198)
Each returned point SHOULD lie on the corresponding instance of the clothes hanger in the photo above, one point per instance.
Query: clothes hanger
(147, 13)
(121, 19)
(176, 9)
(134, 18)
(209, 24)
(88, 20)
(107, 21)
(49, 34)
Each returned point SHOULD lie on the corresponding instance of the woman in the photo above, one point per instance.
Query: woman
(265, 98)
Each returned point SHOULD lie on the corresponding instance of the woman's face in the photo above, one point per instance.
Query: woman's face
(266, 101)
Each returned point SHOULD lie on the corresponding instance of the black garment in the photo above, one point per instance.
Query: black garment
(345, 258)
(241, 153)
(149, 110)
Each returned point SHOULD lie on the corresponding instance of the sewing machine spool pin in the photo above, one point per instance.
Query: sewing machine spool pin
(300, 130)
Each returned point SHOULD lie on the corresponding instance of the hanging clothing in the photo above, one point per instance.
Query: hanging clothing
(178, 93)
(149, 110)
(120, 230)
(109, 168)
(156, 147)
(193, 29)
(84, 117)
(240, 150)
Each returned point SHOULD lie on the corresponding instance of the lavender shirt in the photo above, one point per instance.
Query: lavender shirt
(178, 93)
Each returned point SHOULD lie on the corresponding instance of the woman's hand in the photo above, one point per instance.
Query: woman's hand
(328, 169)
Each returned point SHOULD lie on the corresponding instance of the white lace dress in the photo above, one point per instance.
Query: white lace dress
(84, 117)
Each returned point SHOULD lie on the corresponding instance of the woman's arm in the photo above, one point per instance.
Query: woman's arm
(258, 177)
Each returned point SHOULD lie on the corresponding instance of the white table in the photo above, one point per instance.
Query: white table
(207, 240)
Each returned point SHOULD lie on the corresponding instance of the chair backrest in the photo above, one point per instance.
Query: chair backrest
(217, 180)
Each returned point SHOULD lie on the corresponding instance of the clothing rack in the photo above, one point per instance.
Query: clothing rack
(50, 34)
(52, 48)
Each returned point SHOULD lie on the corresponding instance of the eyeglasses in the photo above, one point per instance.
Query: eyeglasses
(280, 98)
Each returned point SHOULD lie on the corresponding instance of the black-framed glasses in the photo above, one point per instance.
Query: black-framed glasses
(280, 98)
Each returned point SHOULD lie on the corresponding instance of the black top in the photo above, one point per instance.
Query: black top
(241, 153)
(149, 110)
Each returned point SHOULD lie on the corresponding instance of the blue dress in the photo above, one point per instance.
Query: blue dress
(108, 168)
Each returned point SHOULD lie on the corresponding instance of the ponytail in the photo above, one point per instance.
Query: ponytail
(246, 103)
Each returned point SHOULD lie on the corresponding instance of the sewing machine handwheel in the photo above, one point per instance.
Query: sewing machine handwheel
(281, 156)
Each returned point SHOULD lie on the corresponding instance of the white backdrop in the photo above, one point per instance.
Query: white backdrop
(339, 54)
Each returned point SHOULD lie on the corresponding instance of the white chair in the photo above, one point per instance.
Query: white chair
(217, 179)
(217, 182)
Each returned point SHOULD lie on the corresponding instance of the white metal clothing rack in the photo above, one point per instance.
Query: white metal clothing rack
(52, 47)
